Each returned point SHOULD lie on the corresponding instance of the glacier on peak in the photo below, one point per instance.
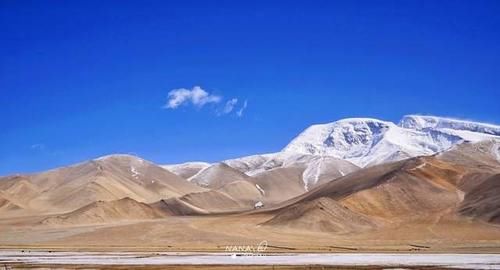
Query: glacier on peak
(367, 141)
(421, 122)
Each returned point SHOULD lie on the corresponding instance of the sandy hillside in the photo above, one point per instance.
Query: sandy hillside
(107, 212)
(6, 205)
(105, 179)
(422, 189)
(217, 175)
(483, 201)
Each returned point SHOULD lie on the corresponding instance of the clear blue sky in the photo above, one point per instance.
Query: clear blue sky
(81, 79)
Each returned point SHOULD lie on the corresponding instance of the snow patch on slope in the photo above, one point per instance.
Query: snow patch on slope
(325, 168)
(312, 173)
(186, 170)
(261, 190)
(134, 172)
(495, 150)
(254, 164)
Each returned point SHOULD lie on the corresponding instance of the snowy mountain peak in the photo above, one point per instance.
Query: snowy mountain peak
(420, 122)
(366, 141)
(338, 137)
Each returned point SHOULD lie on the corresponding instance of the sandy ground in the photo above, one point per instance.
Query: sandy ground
(215, 234)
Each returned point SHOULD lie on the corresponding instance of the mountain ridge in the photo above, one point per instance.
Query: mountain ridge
(369, 141)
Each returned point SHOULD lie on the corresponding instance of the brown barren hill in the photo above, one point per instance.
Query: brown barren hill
(236, 196)
(104, 179)
(396, 192)
(323, 214)
(107, 212)
(217, 175)
(178, 207)
(428, 189)
(245, 192)
(6, 205)
(477, 162)
(280, 184)
(483, 202)
(207, 202)
(19, 190)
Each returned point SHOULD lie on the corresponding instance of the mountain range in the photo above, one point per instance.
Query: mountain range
(356, 175)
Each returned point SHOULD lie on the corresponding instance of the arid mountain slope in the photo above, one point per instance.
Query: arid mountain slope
(233, 197)
(242, 184)
(426, 189)
(107, 212)
(104, 179)
(217, 175)
(243, 191)
(280, 184)
(7, 205)
(208, 202)
(483, 201)
(186, 170)
(323, 214)
(477, 160)
(316, 169)
(267, 188)
(18, 191)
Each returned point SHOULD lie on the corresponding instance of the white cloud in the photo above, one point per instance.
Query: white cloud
(199, 98)
(196, 96)
(230, 104)
(239, 113)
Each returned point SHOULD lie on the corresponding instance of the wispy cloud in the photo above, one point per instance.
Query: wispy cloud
(230, 104)
(196, 96)
(239, 113)
(199, 97)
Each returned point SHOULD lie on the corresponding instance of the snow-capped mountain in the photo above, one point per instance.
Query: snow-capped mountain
(366, 141)
(316, 168)
(327, 151)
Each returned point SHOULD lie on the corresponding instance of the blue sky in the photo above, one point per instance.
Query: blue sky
(81, 79)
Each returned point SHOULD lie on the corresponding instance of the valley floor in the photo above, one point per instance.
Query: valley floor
(218, 233)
